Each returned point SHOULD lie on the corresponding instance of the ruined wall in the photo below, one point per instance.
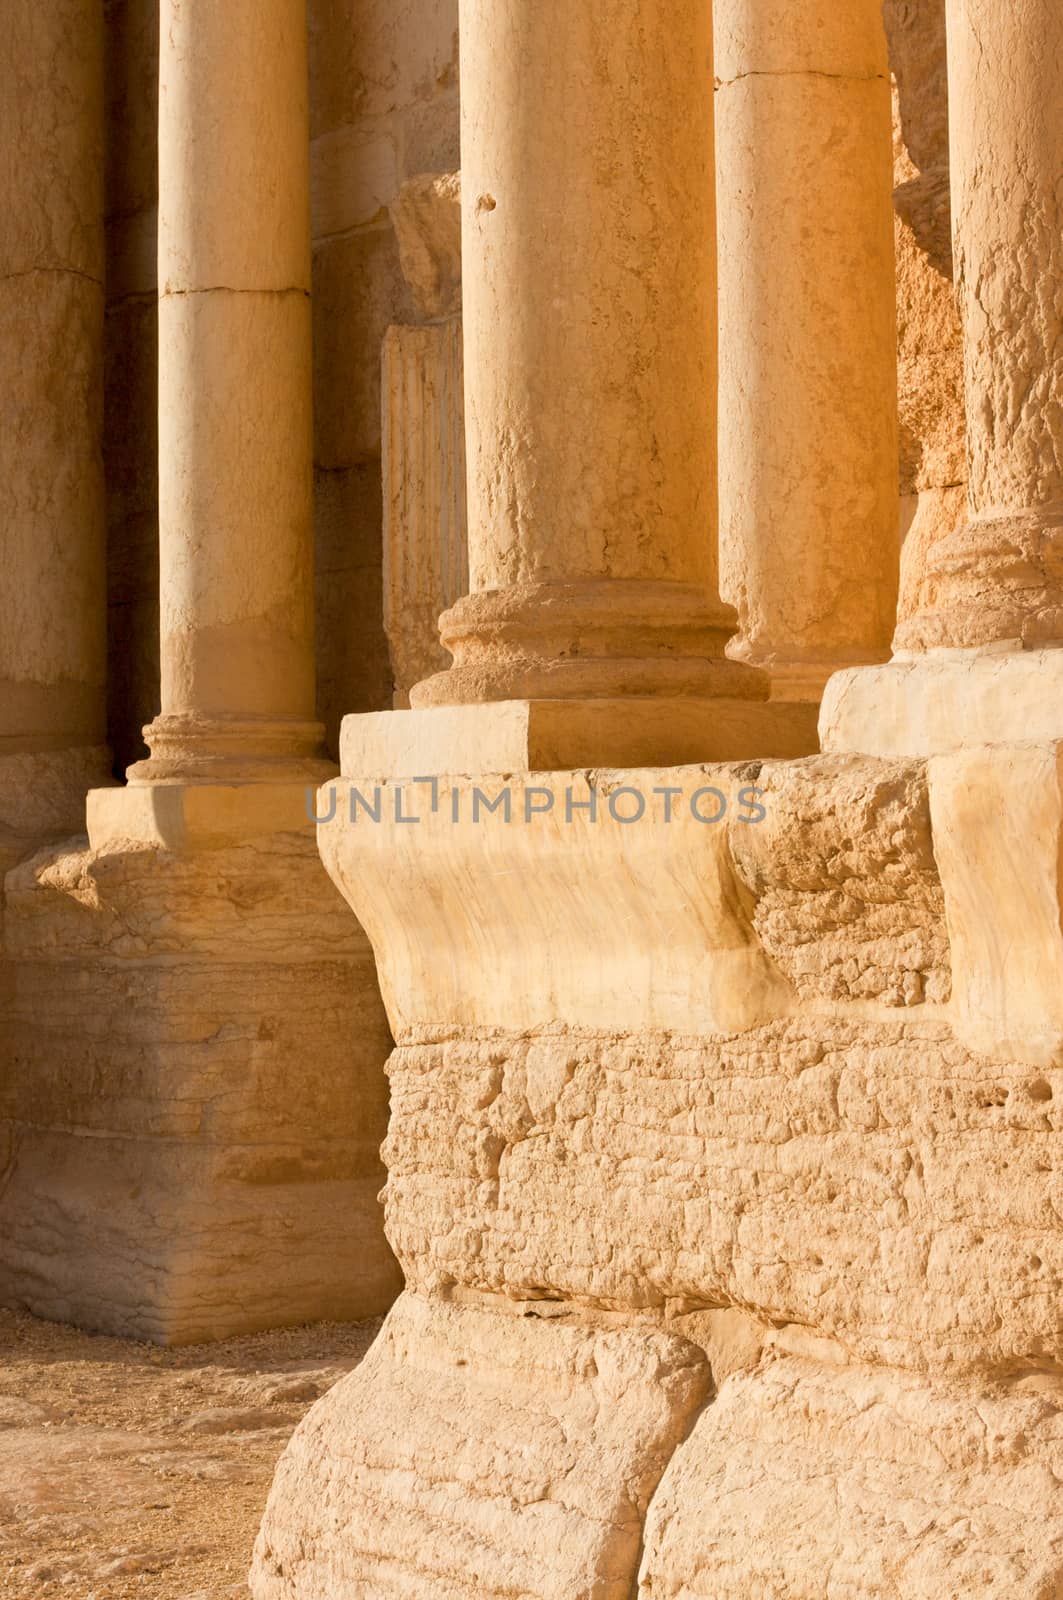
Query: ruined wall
(384, 107)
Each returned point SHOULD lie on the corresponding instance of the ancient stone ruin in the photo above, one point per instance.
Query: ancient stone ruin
(591, 884)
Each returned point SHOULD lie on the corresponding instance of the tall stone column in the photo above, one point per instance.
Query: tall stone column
(978, 663)
(1000, 577)
(808, 364)
(238, 1185)
(235, 438)
(52, 599)
(590, 376)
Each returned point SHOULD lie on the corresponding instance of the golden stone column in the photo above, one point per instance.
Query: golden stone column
(52, 589)
(589, 272)
(1000, 577)
(979, 664)
(235, 437)
(808, 363)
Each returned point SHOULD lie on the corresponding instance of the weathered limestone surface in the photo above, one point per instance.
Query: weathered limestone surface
(869, 1180)
(51, 475)
(195, 1093)
(815, 1170)
(998, 577)
(813, 1481)
(477, 1456)
(426, 556)
(808, 379)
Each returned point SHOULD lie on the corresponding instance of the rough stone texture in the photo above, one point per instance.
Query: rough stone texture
(51, 336)
(806, 1481)
(427, 219)
(848, 898)
(384, 108)
(194, 1153)
(808, 379)
(933, 474)
(426, 548)
(876, 1182)
(480, 1456)
(998, 577)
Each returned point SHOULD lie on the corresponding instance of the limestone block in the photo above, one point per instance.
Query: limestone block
(640, 924)
(873, 1181)
(359, 291)
(812, 1482)
(51, 63)
(197, 1098)
(52, 641)
(950, 700)
(998, 830)
(478, 1456)
(369, 60)
(848, 897)
(427, 220)
(354, 175)
(426, 547)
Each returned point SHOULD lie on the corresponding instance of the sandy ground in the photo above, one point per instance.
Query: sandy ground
(128, 1472)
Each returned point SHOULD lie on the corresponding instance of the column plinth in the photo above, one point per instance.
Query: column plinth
(976, 663)
(589, 273)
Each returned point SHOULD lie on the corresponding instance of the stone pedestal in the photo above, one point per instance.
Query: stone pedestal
(808, 366)
(976, 658)
(677, 1060)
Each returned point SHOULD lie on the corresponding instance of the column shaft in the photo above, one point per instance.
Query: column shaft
(1000, 578)
(235, 436)
(808, 370)
(590, 356)
(52, 596)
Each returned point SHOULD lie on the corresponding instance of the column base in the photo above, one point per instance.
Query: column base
(561, 735)
(952, 700)
(190, 749)
(992, 581)
(191, 816)
(193, 1133)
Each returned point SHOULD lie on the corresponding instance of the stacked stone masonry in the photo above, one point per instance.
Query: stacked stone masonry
(664, 1026)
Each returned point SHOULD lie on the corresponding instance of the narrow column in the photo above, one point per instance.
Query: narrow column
(235, 445)
(590, 360)
(1000, 578)
(52, 599)
(808, 367)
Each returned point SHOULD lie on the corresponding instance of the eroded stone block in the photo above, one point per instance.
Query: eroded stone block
(812, 1482)
(477, 1456)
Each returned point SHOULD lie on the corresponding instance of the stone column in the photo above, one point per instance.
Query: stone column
(590, 375)
(977, 664)
(52, 599)
(1000, 577)
(808, 364)
(235, 442)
